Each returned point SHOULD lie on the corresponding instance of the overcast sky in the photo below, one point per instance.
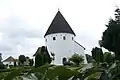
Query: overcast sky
(23, 23)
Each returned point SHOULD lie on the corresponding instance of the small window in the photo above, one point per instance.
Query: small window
(54, 38)
(72, 38)
(64, 38)
(46, 40)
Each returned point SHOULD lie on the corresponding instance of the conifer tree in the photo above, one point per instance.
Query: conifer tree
(111, 36)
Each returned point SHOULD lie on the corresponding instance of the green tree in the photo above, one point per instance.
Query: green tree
(22, 59)
(31, 62)
(76, 58)
(42, 56)
(38, 60)
(0, 57)
(2, 66)
(108, 57)
(38, 57)
(46, 57)
(111, 36)
(15, 64)
(97, 54)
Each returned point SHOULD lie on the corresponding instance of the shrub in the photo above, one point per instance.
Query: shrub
(76, 58)
(2, 66)
(31, 62)
(22, 59)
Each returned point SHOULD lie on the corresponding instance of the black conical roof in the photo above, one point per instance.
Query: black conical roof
(59, 25)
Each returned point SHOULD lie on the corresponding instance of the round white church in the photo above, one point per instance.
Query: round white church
(59, 40)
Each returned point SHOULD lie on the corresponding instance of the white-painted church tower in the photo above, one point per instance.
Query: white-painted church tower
(59, 40)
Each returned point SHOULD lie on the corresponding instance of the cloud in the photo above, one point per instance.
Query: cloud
(18, 37)
(15, 26)
(23, 23)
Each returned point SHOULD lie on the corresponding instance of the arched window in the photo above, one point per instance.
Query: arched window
(54, 38)
(64, 38)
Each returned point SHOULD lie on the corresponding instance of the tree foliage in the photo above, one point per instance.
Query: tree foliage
(109, 58)
(31, 62)
(42, 56)
(38, 60)
(0, 57)
(76, 58)
(111, 36)
(22, 59)
(2, 66)
(45, 54)
(15, 64)
(97, 54)
(53, 72)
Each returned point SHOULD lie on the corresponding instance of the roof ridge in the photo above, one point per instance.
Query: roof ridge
(9, 59)
(79, 44)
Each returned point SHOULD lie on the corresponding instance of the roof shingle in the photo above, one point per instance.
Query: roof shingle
(59, 25)
(9, 59)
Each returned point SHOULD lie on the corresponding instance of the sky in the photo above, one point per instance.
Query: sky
(23, 23)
